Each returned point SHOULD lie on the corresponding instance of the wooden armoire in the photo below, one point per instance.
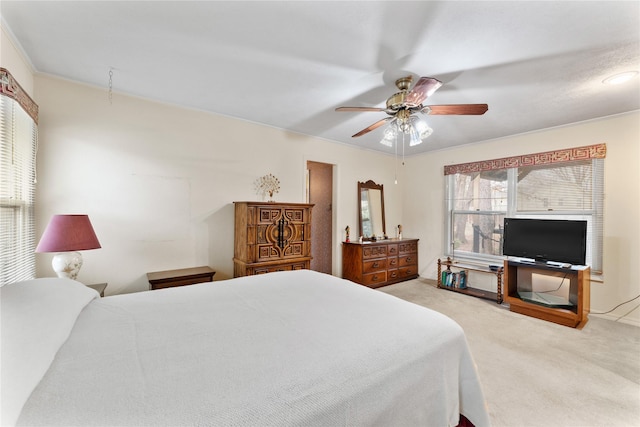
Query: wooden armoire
(271, 237)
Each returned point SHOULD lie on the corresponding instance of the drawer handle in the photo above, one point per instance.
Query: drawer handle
(375, 278)
(376, 265)
(408, 259)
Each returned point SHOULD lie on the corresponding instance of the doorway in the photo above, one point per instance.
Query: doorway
(320, 193)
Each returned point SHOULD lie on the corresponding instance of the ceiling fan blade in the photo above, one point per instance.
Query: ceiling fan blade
(460, 109)
(372, 127)
(359, 109)
(424, 88)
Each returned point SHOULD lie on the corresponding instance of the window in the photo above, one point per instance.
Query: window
(18, 139)
(567, 184)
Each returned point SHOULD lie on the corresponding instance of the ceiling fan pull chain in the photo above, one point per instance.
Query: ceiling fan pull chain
(402, 148)
(396, 159)
(110, 85)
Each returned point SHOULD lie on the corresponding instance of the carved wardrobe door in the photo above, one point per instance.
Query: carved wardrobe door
(271, 237)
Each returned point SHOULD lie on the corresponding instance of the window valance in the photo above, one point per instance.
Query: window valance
(597, 151)
(10, 87)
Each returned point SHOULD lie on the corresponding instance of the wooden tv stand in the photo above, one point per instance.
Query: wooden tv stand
(579, 292)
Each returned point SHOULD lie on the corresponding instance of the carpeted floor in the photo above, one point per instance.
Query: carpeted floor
(537, 373)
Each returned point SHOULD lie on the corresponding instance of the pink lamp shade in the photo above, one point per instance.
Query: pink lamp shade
(67, 234)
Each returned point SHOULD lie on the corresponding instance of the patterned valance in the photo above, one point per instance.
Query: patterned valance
(10, 87)
(598, 151)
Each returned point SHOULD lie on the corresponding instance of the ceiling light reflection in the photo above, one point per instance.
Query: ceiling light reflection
(620, 78)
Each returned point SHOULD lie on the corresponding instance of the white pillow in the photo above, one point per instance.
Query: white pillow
(36, 318)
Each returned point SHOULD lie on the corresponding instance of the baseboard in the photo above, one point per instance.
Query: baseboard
(632, 322)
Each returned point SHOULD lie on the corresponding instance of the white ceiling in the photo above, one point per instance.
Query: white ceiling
(290, 64)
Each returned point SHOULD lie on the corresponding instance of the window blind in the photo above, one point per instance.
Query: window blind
(18, 143)
(572, 191)
(563, 184)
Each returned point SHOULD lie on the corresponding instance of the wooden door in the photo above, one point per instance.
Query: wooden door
(321, 195)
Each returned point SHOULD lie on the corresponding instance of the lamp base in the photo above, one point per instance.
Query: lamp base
(67, 264)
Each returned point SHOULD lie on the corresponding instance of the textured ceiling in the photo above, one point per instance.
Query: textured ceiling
(290, 64)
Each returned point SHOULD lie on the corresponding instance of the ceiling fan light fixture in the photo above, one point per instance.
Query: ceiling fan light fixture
(401, 107)
(389, 136)
(412, 130)
(417, 130)
(414, 138)
(424, 130)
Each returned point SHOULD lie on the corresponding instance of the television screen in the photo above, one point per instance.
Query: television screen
(544, 240)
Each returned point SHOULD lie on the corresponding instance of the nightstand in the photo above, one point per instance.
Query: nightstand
(100, 287)
(180, 277)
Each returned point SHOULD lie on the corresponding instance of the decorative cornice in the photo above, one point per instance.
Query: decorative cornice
(598, 151)
(10, 87)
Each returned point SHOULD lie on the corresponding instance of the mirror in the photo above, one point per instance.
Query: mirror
(371, 210)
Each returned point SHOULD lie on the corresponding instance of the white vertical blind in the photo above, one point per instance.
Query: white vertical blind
(18, 138)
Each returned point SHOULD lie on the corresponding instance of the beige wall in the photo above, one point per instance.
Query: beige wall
(424, 213)
(158, 182)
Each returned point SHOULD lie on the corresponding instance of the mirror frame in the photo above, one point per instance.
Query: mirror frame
(370, 185)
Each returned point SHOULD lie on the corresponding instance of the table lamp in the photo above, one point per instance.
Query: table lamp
(68, 234)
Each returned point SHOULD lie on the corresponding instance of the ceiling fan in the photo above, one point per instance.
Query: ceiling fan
(402, 105)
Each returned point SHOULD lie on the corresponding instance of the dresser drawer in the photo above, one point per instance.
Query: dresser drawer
(374, 251)
(268, 252)
(392, 262)
(406, 247)
(392, 250)
(374, 265)
(409, 271)
(278, 267)
(373, 279)
(393, 274)
(410, 259)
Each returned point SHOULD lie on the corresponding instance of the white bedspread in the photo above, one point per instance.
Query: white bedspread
(290, 348)
(36, 318)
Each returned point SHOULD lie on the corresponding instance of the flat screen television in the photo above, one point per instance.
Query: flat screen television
(543, 240)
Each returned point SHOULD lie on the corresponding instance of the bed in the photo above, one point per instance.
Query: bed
(286, 348)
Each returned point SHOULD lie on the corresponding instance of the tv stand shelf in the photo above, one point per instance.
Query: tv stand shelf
(576, 312)
(468, 290)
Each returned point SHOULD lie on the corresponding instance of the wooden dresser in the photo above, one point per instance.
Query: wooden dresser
(271, 237)
(380, 263)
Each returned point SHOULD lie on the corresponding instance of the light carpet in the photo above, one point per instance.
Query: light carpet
(538, 373)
